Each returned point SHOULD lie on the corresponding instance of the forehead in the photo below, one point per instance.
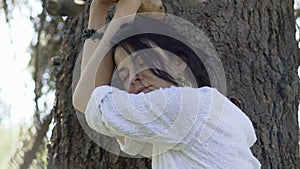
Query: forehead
(121, 54)
(125, 60)
(150, 56)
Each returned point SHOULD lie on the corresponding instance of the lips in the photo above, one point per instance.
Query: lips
(142, 89)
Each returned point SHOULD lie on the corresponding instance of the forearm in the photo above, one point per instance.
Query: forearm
(98, 66)
(98, 13)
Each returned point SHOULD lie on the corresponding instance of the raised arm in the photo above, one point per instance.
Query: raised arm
(98, 14)
(97, 68)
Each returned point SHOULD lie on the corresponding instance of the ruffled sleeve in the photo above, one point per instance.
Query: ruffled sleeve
(96, 122)
(163, 116)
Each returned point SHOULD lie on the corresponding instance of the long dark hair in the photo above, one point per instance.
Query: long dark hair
(142, 28)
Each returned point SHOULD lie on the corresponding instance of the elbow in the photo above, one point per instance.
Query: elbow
(77, 102)
(80, 97)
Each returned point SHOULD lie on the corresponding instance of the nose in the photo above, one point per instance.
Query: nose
(137, 78)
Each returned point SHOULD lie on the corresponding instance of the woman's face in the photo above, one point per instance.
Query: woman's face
(135, 73)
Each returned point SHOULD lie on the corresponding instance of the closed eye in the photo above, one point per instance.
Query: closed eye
(125, 78)
(123, 74)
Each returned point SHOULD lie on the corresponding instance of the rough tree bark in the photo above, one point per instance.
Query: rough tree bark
(256, 43)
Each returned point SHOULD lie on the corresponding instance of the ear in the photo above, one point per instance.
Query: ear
(180, 64)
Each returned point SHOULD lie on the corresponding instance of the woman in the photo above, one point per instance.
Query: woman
(167, 110)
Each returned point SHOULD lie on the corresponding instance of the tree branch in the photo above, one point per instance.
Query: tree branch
(65, 7)
(30, 155)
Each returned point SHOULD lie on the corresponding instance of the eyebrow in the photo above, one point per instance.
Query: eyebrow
(122, 69)
(132, 60)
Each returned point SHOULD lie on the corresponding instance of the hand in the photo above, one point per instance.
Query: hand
(151, 6)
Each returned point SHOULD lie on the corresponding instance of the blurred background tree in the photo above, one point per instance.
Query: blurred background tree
(45, 45)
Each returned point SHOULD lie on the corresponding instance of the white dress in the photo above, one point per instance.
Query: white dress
(178, 127)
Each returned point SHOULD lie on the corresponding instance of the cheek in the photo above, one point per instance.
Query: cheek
(127, 84)
(131, 89)
(127, 87)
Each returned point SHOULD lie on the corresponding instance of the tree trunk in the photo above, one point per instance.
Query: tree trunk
(256, 43)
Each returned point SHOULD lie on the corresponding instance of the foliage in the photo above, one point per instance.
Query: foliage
(44, 47)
